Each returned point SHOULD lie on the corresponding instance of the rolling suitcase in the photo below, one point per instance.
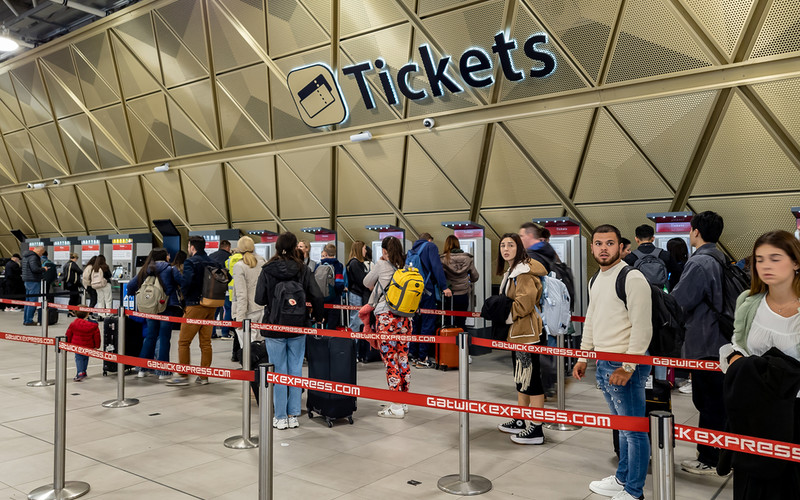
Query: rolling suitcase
(447, 354)
(333, 359)
(133, 340)
(52, 316)
(659, 397)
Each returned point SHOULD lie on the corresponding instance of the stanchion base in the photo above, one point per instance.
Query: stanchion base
(241, 443)
(561, 427)
(476, 485)
(72, 489)
(121, 403)
(41, 383)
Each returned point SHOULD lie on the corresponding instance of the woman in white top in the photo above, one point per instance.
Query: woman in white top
(767, 316)
(394, 354)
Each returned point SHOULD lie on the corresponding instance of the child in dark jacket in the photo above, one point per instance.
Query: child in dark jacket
(83, 333)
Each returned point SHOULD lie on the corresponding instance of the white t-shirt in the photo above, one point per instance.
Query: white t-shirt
(770, 329)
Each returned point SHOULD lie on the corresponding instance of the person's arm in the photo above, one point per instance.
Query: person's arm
(372, 277)
(107, 273)
(70, 334)
(188, 275)
(587, 340)
(261, 298)
(435, 265)
(96, 332)
(526, 296)
(36, 266)
(673, 268)
(473, 272)
(691, 289)
(640, 307)
(133, 285)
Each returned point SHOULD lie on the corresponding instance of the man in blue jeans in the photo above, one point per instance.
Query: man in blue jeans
(613, 326)
(433, 273)
(32, 274)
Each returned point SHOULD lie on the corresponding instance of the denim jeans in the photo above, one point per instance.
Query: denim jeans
(287, 356)
(159, 332)
(32, 288)
(355, 321)
(223, 314)
(81, 363)
(424, 324)
(628, 400)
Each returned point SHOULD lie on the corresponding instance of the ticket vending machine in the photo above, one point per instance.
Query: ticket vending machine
(121, 251)
(672, 225)
(265, 242)
(323, 236)
(61, 249)
(384, 231)
(796, 213)
(170, 236)
(88, 247)
(31, 243)
(472, 239)
(214, 237)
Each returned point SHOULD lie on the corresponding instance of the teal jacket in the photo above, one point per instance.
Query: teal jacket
(746, 307)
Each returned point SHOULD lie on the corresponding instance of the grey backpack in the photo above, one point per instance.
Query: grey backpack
(653, 268)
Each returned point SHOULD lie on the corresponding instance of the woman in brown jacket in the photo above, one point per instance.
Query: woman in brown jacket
(459, 269)
(521, 283)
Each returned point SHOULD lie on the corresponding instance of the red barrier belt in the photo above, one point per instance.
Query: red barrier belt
(19, 302)
(692, 364)
(96, 310)
(438, 312)
(735, 442)
(431, 339)
(202, 371)
(31, 339)
(190, 321)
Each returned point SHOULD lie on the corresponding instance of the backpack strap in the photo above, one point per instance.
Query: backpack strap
(620, 284)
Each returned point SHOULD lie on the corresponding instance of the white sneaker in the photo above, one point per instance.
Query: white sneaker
(607, 487)
(280, 423)
(292, 422)
(141, 374)
(392, 412)
(624, 495)
(686, 388)
(165, 376)
(405, 406)
(699, 468)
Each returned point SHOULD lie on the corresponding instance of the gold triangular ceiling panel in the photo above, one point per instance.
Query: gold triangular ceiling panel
(170, 201)
(295, 199)
(189, 27)
(47, 164)
(138, 35)
(48, 136)
(783, 99)
(583, 26)
(9, 122)
(422, 176)
(97, 73)
(237, 128)
(366, 201)
(96, 206)
(112, 153)
(149, 120)
(432, 223)
(133, 73)
(314, 169)
(626, 216)
(128, 203)
(31, 95)
(296, 227)
(652, 41)
(286, 121)
(60, 63)
(204, 206)
(196, 100)
(291, 27)
(779, 32)
(74, 130)
(563, 78)
(510, 180)
(69, 212)
(458, 153)
(744, 158)
(510, 219)
(680, 122)
(41, 211)
(7, 170)
(245, 205)
(356, 227)
(382, 159)
(228, 47)
(357, 15)
(180, 63)
(251, 93)
(21, 151)
(725, 20)
(9, 98)
(18, 213)
(614, 170)
(555, 142)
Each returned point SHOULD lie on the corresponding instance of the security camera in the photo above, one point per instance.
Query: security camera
(56, 181)
(29, 185)
(429, 122)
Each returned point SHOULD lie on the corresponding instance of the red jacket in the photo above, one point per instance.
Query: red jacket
(84, 333)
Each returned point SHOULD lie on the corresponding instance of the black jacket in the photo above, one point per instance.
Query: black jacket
(356, 272)
(32, 269)
(673, 269)
(760, 394)
(543, 253)
(277, 270)
(220, 256)
(192, 280)
(13, 274)
(71, 274)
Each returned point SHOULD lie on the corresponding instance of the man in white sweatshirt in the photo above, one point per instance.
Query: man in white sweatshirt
(620, 327)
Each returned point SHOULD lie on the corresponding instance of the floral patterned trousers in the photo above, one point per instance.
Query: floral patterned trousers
(395, 354)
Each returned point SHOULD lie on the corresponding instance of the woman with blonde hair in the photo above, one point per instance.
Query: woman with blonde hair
(245, 275)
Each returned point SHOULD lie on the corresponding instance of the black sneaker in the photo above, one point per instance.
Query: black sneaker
(531, 435)
(512, 426)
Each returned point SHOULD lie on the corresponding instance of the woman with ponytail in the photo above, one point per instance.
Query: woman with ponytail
(245, 275)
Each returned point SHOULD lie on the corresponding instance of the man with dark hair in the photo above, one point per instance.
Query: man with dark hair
(433, 273)
(32, 274)
(699, 293)
(536, 245)
(621, 327)
(626, 248)
(192, 289)
(644, 236)
(14, 286)
(223, 313)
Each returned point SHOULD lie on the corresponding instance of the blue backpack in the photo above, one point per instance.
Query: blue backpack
(413, 260)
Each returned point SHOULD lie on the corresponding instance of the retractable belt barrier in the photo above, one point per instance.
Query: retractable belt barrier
(437, 312)
(189, 321)
(96, 310)
(20, 302)
(745, 444)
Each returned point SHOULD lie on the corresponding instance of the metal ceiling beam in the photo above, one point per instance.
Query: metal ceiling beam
(68, 211)
(696, 29)
(758, 14)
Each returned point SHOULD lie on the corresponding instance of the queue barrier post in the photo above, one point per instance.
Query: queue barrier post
(60, 489)
(561, 388)
(265, 388)
(464, 483)
(246, 440)
(121, 401)
(662, 441)
(42, 382)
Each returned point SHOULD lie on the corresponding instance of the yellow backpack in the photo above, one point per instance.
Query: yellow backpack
(405, 291)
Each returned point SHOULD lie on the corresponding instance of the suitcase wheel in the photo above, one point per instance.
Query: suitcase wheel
(329, 421)
(350, 419)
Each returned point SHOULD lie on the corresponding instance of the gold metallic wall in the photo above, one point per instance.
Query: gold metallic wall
(655, 105)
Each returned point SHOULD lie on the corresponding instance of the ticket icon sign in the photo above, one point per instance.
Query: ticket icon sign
(317, 96)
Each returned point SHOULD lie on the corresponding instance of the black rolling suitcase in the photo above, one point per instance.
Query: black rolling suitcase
(133, 340)
(333, 359)
(657, 398)
(52, 316)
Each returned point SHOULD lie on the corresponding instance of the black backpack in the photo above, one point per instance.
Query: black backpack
(288, 305)
(564, 273)
(651, 265)
(666, 316)
(734, 282)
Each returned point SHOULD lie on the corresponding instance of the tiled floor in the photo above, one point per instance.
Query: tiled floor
(170, 445)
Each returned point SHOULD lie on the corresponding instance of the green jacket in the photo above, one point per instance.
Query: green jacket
(746, 307)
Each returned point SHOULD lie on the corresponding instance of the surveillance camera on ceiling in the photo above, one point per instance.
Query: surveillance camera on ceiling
(29, 185)
(56, 181)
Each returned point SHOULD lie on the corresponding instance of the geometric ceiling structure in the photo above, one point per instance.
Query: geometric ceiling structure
(601, 110)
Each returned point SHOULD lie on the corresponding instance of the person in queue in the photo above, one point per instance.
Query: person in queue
(522, 284)
(235, 257)
(626, 248)
(72, 274)
(32, 274)
(157, 331)
(15, 287)
(459, 268)
(286, 350)
(223, 313)
(191, 288)
(762, 369)
(245, 272)
(394, 353)
(86, 280)
(680, 255)
(99, 280)
(305, 249)
(179, 259)
(611, 326)
(83, 333)
(700, 293)
(357, 293)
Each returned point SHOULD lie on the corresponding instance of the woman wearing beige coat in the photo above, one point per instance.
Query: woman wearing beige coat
(245, 277)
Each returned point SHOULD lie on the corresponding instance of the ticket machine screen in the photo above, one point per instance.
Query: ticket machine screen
(468, 246)
(561, 248)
